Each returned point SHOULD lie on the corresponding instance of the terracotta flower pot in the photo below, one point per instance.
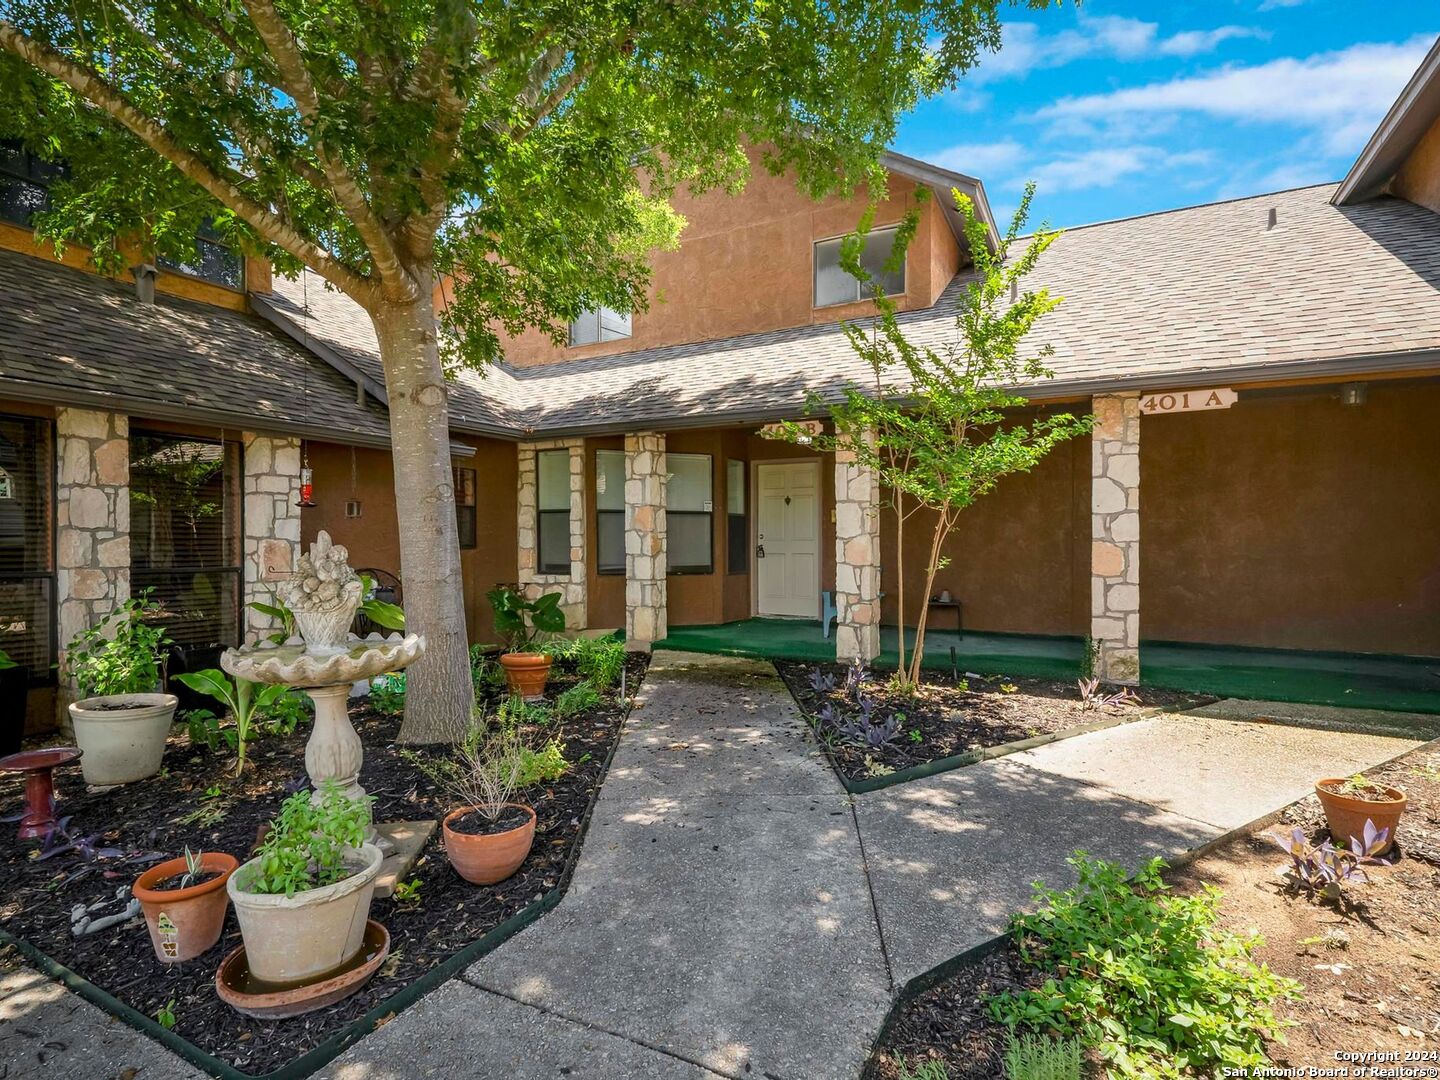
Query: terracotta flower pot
(484, 859)
(1347, 814)
(292, 939)
(526, 673)
(185, 922)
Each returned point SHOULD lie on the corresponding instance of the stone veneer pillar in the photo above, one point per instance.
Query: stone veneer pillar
(857, 560)
(646, 605)
(1115, 537)
(92, 518)
(271, 490)
(571, 586)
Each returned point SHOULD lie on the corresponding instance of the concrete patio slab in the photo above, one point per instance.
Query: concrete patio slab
(462, 1031)
(1400, 725)
(720, 725)
(45, 1030)
(1224, 772)
(951, 857)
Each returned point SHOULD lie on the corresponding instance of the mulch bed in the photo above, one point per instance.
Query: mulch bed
(151, 816)
(1371, 971)
(947, 717)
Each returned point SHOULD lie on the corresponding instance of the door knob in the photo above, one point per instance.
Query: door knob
(759, 551)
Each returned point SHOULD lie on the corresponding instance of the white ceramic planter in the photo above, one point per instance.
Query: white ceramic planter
(292, 939)
(122, 745)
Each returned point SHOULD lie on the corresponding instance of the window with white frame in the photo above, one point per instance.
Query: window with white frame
(689, 513)
(599, 324)
(553, 510)
(836, 285)
(610, 511)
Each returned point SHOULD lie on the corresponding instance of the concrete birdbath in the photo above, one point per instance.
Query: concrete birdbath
(325, 660)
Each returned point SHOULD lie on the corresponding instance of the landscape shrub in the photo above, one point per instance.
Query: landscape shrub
(580, 698)
(1149, 979)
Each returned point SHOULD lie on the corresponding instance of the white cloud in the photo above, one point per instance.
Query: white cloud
(1341, 94)
(1106, 166)
(979, 159)
(1271, 5)
(1026, 49)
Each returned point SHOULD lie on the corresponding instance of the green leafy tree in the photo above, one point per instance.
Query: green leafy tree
(936, 424)
(520, 155)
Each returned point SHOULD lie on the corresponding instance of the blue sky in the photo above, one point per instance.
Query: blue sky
(1117, 108)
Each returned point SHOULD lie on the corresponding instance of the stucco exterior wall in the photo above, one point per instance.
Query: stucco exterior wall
(1419, 178)
(374, 539)
(745, 264)
(1291, 520)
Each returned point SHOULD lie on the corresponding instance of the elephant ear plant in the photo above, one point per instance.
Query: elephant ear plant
(239, 696)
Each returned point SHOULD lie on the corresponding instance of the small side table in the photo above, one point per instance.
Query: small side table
(37, 765)
(959, 614)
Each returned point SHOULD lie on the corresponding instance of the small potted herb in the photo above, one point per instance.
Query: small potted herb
(1350, 803)
(489, 836)
(520, 623)
(121, 720)
(303, 901)
(184, 901)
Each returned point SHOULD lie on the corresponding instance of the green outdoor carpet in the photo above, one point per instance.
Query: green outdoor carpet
(1361, 681)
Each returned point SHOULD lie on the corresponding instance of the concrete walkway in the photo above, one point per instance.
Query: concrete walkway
(734, 914)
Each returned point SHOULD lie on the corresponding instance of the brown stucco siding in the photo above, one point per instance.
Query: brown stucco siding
(1419, 177)
(1018, 558)
(745, 264)
(1293, 521)
(374, 538)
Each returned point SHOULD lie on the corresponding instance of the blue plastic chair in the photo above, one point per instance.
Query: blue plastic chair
(827, 611)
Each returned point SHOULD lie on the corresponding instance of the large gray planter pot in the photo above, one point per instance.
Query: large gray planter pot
(122, 745)
(292, 939)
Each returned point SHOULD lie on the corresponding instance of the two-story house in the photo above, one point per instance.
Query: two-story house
(629, 468)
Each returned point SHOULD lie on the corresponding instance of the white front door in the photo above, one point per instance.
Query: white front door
(787, 539)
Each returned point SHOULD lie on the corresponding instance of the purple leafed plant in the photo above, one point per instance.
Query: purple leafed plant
(855, 678)
(58, 840)
(1323, 869)
(1092, 697)
(821, 681)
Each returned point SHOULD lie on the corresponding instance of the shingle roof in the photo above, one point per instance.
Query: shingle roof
(1209, 291)
(71, 336)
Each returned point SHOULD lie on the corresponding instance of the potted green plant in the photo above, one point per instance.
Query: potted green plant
(122, 719)
(489, 835)
(1350, 803)
(303, 901)
(520, 623)
(184, 901)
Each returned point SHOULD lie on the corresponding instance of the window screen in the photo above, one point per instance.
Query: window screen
(24, 183)
(610, 511)
(553, 467)
(26, 570)
(212, 261)
(185, 534)
(465, 508)
(688, 514)
(737, 524)
(835, 285)
(599, 324)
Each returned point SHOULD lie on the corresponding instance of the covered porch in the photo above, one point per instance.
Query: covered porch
(1350, 680)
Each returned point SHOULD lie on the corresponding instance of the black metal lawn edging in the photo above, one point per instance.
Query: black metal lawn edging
(338, 1043)
(985, 753)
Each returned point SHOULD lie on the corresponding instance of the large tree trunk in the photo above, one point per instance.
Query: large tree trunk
(439, 695)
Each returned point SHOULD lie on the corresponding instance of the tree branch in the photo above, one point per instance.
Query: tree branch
(94, 89)
(298, 84)
(563, 89)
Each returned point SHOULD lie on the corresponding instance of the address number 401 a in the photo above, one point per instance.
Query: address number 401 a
(1188, 400)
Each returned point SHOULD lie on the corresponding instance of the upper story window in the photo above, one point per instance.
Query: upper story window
(24, 183)
(213, 262)
(599, 324)
(836, 285)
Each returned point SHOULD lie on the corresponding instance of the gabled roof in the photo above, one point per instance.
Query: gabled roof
(76, 338)
(1181, 298)
(1409, 118)
(943, 183)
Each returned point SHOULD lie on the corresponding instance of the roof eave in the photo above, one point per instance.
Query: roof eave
(942, 182)
(1412, 114)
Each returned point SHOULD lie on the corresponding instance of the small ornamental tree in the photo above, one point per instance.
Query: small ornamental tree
(519, 154)
(934, 424)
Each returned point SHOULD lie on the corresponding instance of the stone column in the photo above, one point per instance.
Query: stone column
(271, 544)
(92, 518)
(571, 586)
(646, 606)
(1115, 537)
(857, 560)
